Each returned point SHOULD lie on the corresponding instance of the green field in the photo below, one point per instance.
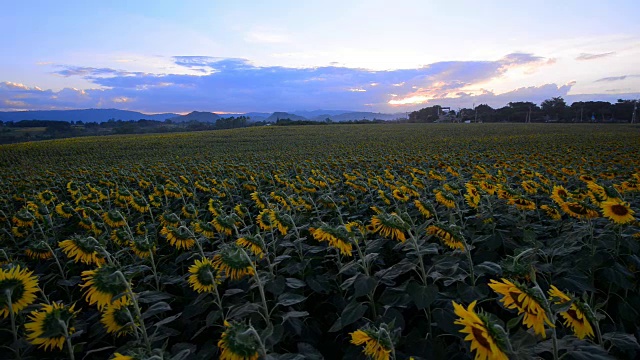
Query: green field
(310, 242)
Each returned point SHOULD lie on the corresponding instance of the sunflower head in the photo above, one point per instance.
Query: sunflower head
(447, 235)
(143, 247)
(486, 338)
(617, 211)
(114, 218)
(38, 251)
(179, 237)
(24, 218)
(104, 286)
(389, 226)
(234, 262)
(336, 237)
(118, 318)
(48, 327)
(527, 301)
(18, 289)
(204, 276)
(577, 317)
(238, 343)
(376, 340)
(253, 244)
(85, 249)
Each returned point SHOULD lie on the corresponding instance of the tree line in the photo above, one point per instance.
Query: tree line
(550, 110)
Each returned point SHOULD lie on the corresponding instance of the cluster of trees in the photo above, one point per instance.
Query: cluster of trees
(26, 130)
(550, 110)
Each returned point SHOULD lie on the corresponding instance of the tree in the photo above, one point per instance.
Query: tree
(554, 107)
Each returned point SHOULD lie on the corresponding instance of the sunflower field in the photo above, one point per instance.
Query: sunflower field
(389, 241)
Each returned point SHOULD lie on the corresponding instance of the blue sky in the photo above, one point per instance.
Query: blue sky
(242, 56)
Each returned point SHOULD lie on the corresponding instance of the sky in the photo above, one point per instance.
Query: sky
(361, 55)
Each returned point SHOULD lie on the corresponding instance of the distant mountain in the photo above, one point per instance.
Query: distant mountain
(200, 116)
(318, 113)
(284, 115)
(361, 115)
(86, 115)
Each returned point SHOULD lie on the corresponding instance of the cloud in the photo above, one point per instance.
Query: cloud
(616, 78)
(586, 56)
(237, 85)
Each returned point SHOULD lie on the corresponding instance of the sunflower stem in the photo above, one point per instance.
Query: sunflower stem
(57, 261)
(14, 330)
(256, 276)
(136, 307)
(67, 339)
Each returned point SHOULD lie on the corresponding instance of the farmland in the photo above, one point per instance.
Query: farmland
(381, 241)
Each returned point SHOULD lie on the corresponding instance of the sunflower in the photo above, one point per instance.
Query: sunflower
(551, 211)
(579, 210)
(223, 224)
(169, 220)
(233, 261)
(522, 203)
(24, 218)
(575, 317)
(280, 198)
(178, 237)
(253, 244)
(472, 196)
(487, 187)
(618, 212)
(237, 343)
(189, 211)
(103, 285)
(204, 228)
(140, 228)
(390, 226)
(45, 328)
(21, 286)
(445, 199)
(264, 220)
(64, 210)
(399, 195)
(559, 194)
(484, 340)
(516, 296)
(384, 197)
(120, 236)
(260, 201)
(117, 318)
(426, 209)
(446, 236)
(114, 219)
(204, 277)
(282, 223)
(139, 204)
(38, 251)
(530, 186)
(240, 210)
(376, 344)
(336, 237)
(19, 232)
(82, 249)
(142, 247)
(46, 197)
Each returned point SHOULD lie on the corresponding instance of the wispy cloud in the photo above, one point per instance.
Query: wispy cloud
(616, 78)
(586, 56)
